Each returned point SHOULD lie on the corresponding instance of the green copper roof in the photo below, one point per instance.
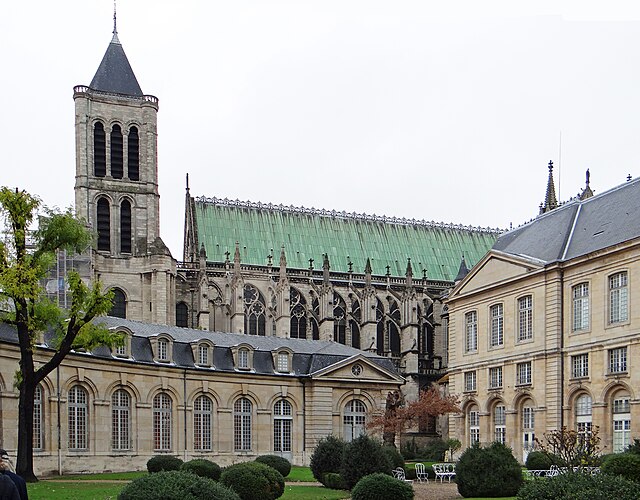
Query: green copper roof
(309, 233)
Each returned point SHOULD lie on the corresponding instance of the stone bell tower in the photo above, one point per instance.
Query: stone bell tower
(116, 189)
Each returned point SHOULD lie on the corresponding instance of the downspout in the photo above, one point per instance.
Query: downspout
(304, 415)
(561, 348)
(184, 388)
(59, 427)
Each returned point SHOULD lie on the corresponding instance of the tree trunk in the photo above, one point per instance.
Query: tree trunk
(24, 462)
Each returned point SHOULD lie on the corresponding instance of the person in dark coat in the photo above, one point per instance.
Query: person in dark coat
(5, 468)
(8, 489)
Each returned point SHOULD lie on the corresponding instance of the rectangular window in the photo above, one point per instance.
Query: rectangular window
(163, 348)
(471, 323)
(203, 355)
(497, 325)
(580, 366)
(580, 296)
(243, 358)
(500, 421)
(283, 362)
(528, 418)
(618, 297)
(618, 360)
(470, 381)
(621, 424)
(121, 350)
(523, 373)
(474, 427)
(525, 318)
(495, 377)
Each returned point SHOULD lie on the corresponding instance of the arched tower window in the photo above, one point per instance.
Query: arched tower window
(298, 312)
(133, 155)
(182, 315)
(339, 319)
(104, 225)
(119, 309)
(393, 328)
(254, 311)
(125, 227)
(116, 152)
(99, 151)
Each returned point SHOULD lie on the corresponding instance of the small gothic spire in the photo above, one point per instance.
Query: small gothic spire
(550, 200)
(367, 267)
(203, 251)
(462, 271)
(187, 182)
(409, 273)
(115, 38)
(325, 269)
(236, 258)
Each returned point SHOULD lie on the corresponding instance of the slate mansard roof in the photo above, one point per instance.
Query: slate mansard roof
(579, 227)
(309, 356)
(310, 233)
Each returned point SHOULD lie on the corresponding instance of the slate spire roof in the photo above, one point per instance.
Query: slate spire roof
(114, 75)
(550, 200)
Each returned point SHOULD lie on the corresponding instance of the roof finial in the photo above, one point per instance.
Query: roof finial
(115, 26)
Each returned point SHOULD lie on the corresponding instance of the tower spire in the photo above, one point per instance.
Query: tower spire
(115, 38)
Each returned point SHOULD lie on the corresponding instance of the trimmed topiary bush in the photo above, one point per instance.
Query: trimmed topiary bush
(327, 457)
(361, 457)
(537, 460)
(578, 486)
(175, 485)
(163, 462)
(203, 468)
(626, 465)
(381, 487)
(434, 451)
(253, 481)
(488, 472)
(282, 465)
(393, 456)
(334, 481)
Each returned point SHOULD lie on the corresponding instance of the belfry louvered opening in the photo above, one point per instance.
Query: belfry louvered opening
(104, 225)
(133, 155)
(125, 227)
(117, 168)
(99, 151)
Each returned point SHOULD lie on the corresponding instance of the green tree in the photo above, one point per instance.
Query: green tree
(22, 269)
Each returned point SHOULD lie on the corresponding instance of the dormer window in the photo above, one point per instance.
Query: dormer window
(124, 350)
(162, 348)
(242, 357)
(202, 353)
(282, 360)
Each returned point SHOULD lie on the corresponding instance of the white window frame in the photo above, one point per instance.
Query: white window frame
(203, 354)
(583, 409)
(524, 373)
(496, 315)
(243, 358)
(471, 331)
(618, 298)
(525, 318)
(38, 418)
(282, 426)
(354, 419)
(470, 381)
(163, 350)
(618, 360)
(474, 425)
(242, 424)
(580, 365)
(120, 420)
(621, 414)
(500, 423)
(495, 377)
(283, 362)
(162, 421)
(580, 307)
(78, 418)
(202, 423)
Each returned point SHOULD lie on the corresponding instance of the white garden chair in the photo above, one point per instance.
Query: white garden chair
(421, 473)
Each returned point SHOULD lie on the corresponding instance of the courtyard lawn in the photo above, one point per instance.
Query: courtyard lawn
(77, 490)
(295, 492)
(299, 473)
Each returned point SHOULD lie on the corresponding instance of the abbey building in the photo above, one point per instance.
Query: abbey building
(279, 326)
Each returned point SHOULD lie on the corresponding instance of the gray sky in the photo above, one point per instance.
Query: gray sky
(435, 110)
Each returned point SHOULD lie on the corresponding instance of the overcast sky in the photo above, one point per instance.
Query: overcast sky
(437, 110)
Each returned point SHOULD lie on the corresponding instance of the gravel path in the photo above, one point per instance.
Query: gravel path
(436, 491)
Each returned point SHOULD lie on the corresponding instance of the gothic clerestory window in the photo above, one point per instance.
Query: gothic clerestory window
(339, 319)
(254, 311)
(298, 312)
(354, 324)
